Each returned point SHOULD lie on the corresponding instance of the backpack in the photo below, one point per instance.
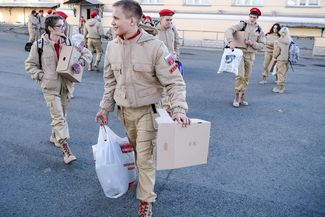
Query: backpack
(293, 53)
(40, 44)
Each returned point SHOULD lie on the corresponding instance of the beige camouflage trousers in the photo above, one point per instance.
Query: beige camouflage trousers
(95, 45)
(139, 126)
(266, 64)
(282, 69)
(57, 106)
(244, 72)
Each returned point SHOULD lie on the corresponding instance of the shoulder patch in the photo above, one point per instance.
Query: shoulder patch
(169, 59)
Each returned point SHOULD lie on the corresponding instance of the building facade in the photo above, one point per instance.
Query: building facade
(200, 22)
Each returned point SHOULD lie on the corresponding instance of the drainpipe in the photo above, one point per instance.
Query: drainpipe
(24, 18)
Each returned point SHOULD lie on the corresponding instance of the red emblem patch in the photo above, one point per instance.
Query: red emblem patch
(173, 68)
(169, 59)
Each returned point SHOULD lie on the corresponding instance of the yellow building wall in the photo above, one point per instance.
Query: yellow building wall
(319, 47)
(226, 7)
(204, 29)
(16, 15)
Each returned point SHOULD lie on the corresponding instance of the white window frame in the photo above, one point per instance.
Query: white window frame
(197, 2)
(246, 3)
(297, 3)
(47, 1)
(153, 2)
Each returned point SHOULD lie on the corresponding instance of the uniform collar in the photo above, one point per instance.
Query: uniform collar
(48, 41)
(132, 37)
(143, 36)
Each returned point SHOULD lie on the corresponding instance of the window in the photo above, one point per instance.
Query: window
(196, 2)
(152, 1)
(247, 2)
(303, 3)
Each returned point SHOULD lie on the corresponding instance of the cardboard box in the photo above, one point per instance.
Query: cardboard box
(68, 56)
(181, 147)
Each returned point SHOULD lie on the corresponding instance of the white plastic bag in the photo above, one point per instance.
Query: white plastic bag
(78, 41)
(111, 173)
(230, 61)
(115, 163)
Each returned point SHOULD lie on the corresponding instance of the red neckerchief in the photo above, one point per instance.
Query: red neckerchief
(132, 37)
(56, 47)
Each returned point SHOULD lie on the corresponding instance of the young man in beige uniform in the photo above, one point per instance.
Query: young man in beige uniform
(41, 19)
(168, 33)
(137, 68)
(249, 37)
(93, 33)
(33, 26)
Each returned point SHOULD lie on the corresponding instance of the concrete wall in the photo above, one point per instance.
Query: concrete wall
(14, 15)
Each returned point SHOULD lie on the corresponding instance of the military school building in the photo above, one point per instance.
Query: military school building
(199, 22)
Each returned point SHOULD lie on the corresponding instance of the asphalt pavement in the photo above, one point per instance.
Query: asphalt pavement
(265, 160)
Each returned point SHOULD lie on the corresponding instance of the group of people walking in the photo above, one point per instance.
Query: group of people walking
(249, 37)
(140, 71)
(36, 24)
(276, 56)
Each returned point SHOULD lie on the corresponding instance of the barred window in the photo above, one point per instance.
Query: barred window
(197, 2)
(152, 1)
(247, 2)
(303, 3)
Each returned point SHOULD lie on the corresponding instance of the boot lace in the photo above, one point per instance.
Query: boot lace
(66, 149)
(143, 209)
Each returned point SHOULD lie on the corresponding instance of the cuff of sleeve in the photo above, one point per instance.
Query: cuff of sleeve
(103, 111)
(82, 62)
(179, 110)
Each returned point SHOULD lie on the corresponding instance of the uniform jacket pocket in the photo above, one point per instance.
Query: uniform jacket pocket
(144, 71)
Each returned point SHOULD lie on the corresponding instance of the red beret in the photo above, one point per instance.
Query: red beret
(49, 11)
(166, 12)
(93, 14)
(256, 10)
(62, 14)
